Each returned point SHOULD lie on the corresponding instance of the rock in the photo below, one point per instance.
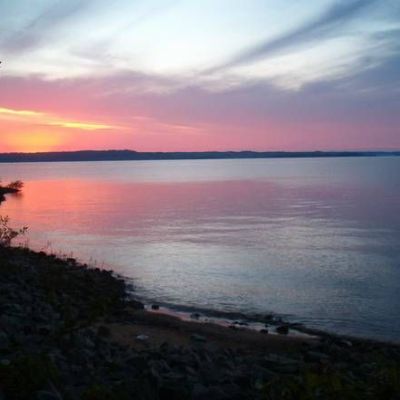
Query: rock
(5, 362)
(14, 309)
(11, 321)
(195, 316)
(199, 392)
(83, 341)
(198, 338)
(136, 305)
(283, 329)
(264, 331)
(4, 341)
(268, 318)
(281, 364)
(142, 338)
(315, 356)
(233, 327)
(46, 395)
(155, 307)
(103, 331)
(286, 369)
(44, 330)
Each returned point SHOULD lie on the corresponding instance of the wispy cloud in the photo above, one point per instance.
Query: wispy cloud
(44, 119)
(38, 28)
(334, 18)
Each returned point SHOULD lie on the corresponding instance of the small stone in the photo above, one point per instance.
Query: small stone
(136, 305)
(44, 330)
(264, 331)
(198, 338)
(199, 392)
(142, 338)
(233, 327)
(103, 331)
(268, 318)
(283, 329)
(195, 316)
(46, 395)
(5, 362)
(317, 356)
(155, 307)
(4, 341)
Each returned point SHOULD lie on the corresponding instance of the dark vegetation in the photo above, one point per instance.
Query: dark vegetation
(13, 187)
(120, 155)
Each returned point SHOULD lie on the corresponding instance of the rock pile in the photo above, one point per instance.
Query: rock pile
(56, 343)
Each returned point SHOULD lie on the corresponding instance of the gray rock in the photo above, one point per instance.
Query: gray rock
(283, 329)
(142, 338)
(198, 338)
(13, 308)
(317, 356)
(137, 305)
(273, 360)
(47, 395)
(11, 321)
(103, 331)
(4, 341)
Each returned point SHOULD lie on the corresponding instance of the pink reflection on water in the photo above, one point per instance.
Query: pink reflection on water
(104, 207)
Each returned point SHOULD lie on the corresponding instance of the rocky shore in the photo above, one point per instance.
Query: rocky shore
(71, 332)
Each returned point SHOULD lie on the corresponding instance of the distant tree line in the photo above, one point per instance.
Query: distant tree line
(122, 155)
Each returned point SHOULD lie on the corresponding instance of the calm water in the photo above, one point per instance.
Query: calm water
(317, 240)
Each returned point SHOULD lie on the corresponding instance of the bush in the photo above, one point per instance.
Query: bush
(16, 185)
(8, 234)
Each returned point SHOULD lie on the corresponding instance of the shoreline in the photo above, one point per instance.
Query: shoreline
(59, 315)
(253, 321)
(5, 190)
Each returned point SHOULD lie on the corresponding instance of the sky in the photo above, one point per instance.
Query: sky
(197, 75)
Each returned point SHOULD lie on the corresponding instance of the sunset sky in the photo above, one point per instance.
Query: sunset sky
(187, 75)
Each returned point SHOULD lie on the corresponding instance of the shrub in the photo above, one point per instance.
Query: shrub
(8, 234)
(16, 185)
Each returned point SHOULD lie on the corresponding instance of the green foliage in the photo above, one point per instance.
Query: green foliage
(26, 375)
(8, 234)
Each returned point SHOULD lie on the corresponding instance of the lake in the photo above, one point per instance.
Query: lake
(315, 240)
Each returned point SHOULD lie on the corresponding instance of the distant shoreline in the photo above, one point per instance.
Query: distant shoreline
(130, 155)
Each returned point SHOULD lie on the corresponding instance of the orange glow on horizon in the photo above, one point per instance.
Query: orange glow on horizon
(34, 141)
(24, 130)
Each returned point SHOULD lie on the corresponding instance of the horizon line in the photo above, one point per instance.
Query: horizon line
(2, 153)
